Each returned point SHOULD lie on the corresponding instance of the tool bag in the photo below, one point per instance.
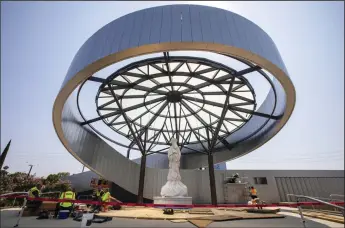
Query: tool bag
(168, 211)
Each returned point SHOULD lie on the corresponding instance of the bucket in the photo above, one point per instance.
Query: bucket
(63, 214)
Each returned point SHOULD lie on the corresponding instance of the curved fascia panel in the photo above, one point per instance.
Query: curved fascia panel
(161, 29)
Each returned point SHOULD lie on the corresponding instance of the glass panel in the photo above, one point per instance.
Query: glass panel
(132, 79)
(183, 68)
(178, 78)
(210, 74)
(243, 88)
(136, 71)
(249, 107)
(210, 88)
(153, 70)
(135, 92)
(234, 100)
(229, 126)
(193, 66)
(148, 84)
(218, 99)
(163, 80)
(102, 101)
(128, 103)
(143, 69)
(230, 114)
(173, 65)
(221, 73)
(103, 112)
(120, 79)
(202, 67)
(248, 95)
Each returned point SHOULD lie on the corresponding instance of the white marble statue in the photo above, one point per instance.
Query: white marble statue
(174, 187)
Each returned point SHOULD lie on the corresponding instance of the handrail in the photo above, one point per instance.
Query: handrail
(316, 197)
(317, 200)
(331, 195)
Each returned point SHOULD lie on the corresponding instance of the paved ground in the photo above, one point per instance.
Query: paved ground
(8, 219)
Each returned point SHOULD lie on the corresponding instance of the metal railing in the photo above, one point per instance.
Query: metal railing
(298, 197)
(336, 195)
(320, 198)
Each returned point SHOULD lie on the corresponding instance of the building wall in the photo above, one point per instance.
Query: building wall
(279, 182)
(160, 161)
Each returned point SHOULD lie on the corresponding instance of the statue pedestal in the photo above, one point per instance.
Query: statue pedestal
(177, 200)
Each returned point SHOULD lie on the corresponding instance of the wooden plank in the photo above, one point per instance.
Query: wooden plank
(200, 223)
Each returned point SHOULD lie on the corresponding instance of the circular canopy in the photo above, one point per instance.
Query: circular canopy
(182, 28)
(180, 97)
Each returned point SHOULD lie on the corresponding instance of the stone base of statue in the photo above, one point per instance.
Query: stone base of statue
(175, 200)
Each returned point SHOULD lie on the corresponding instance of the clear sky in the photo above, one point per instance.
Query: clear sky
(40, 39)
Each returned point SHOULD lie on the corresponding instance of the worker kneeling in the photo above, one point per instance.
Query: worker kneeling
(106, 197)
(34, 192)
(68, 195)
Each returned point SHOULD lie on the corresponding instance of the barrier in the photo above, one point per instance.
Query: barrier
(169, 205)
(87, 218)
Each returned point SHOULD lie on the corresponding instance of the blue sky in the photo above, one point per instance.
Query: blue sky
(39, 40)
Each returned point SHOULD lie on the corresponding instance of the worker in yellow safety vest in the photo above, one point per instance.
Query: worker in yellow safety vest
(34, 192)
(106, 197)
(69, 195)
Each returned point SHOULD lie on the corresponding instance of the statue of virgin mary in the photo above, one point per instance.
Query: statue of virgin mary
(174, 187)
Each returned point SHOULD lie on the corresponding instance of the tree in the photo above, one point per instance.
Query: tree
(4, 154)
(19, 182)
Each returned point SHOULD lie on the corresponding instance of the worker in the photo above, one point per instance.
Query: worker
(99, 192)
(253, 192)
(34, 192)
(70, 195)
(106, 197)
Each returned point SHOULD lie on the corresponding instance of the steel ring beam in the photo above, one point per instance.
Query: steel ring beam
(162, 29)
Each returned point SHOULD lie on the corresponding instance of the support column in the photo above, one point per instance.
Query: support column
(212, 179)
(142, 179)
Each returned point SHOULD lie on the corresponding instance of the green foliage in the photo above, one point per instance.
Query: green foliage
(19, 182)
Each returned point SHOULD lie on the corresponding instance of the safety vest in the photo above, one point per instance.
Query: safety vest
(253, 191)
(98, 193)
(67, 195)
(106, 197)
(32, 190)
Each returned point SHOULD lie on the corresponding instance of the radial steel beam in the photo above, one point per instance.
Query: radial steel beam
(166, 57)
(143, 129)
(96, 79)
(137, 105)
(248, 70)
(100, 117)
(231, 107)
(220, 121)
(141, 148)
(196, 134)
(138, 141)
(252, 112)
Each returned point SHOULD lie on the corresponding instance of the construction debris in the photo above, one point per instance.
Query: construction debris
(203, 211)
(262, 211)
